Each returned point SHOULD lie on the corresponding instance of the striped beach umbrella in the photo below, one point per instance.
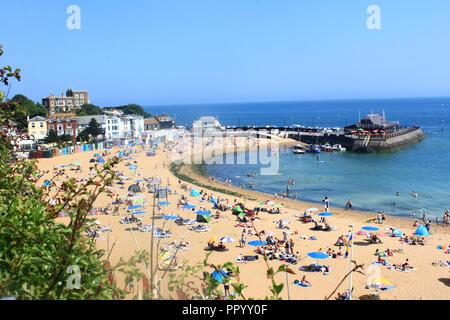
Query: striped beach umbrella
(227, 239)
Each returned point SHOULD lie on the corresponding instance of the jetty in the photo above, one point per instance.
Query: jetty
(372, 134)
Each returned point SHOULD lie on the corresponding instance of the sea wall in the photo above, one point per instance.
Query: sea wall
(365, 143)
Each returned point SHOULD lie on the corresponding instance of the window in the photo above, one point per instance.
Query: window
(69, 126)
(82, 96)
(52, 127)
(33, 125)
(41, 124)
(53, 103)
(76, 96)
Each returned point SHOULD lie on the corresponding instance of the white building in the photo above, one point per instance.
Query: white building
(125, 127)
(206, 124)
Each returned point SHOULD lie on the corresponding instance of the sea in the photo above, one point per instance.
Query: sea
(373, 182)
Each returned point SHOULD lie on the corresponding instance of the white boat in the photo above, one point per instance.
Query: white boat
(299, 149)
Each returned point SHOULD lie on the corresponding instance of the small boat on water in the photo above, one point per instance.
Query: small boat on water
(299, 149)
(327, 147)
(338, 147)
(313, 149)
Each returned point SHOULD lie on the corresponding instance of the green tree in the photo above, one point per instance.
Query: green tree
(91, 133)
(52, 137)
(133, 109)
(89, 110)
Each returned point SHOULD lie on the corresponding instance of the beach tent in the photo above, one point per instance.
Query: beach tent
(134, 188)
(203, 217)
(195, 193)
(422, 231)
(396, 233)
(214, 200)
(237, 210)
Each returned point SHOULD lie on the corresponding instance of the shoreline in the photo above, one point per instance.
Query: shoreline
(201, 179)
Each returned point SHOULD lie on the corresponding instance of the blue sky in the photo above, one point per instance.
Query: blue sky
(156, 52)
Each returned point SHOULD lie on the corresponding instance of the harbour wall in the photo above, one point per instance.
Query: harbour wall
(402, 138)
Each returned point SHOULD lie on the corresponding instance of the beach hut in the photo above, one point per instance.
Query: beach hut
(422, 231)
(396, 233)
(195, 193)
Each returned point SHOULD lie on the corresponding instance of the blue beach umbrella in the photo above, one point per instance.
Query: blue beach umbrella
(214, 200)
(171, 217)
(219, 275)
(134, 207)
(370, 228)
(163, 203)
(140, 181)
(422, 231)
(257, 243)
(203, 213)
(63, 166)
(101, 160)
(318, 255)
(195, 193)
(189, 206)
(97, 155)
(325, 214)
(47, 183)
(140, 212)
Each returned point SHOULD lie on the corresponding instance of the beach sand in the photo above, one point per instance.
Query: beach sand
(424, 282)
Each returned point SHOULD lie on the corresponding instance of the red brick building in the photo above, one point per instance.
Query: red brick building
(63, 123)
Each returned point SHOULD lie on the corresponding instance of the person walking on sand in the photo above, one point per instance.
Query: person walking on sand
(327, 203)
(383, 217)
(242, 241)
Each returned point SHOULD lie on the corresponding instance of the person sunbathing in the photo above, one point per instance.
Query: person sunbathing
(381, 260)
(305, 282)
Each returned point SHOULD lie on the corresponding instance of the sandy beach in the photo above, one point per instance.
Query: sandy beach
(425, 281)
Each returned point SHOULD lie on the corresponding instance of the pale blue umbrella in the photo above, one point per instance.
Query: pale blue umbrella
(312, 210)
(134, 207)
(140, 212)
(189, 206)
(140, 181)
(227, 239)
(257, 243)
(214, 200)
(318, 255)
(163, 203)
(195, 193)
